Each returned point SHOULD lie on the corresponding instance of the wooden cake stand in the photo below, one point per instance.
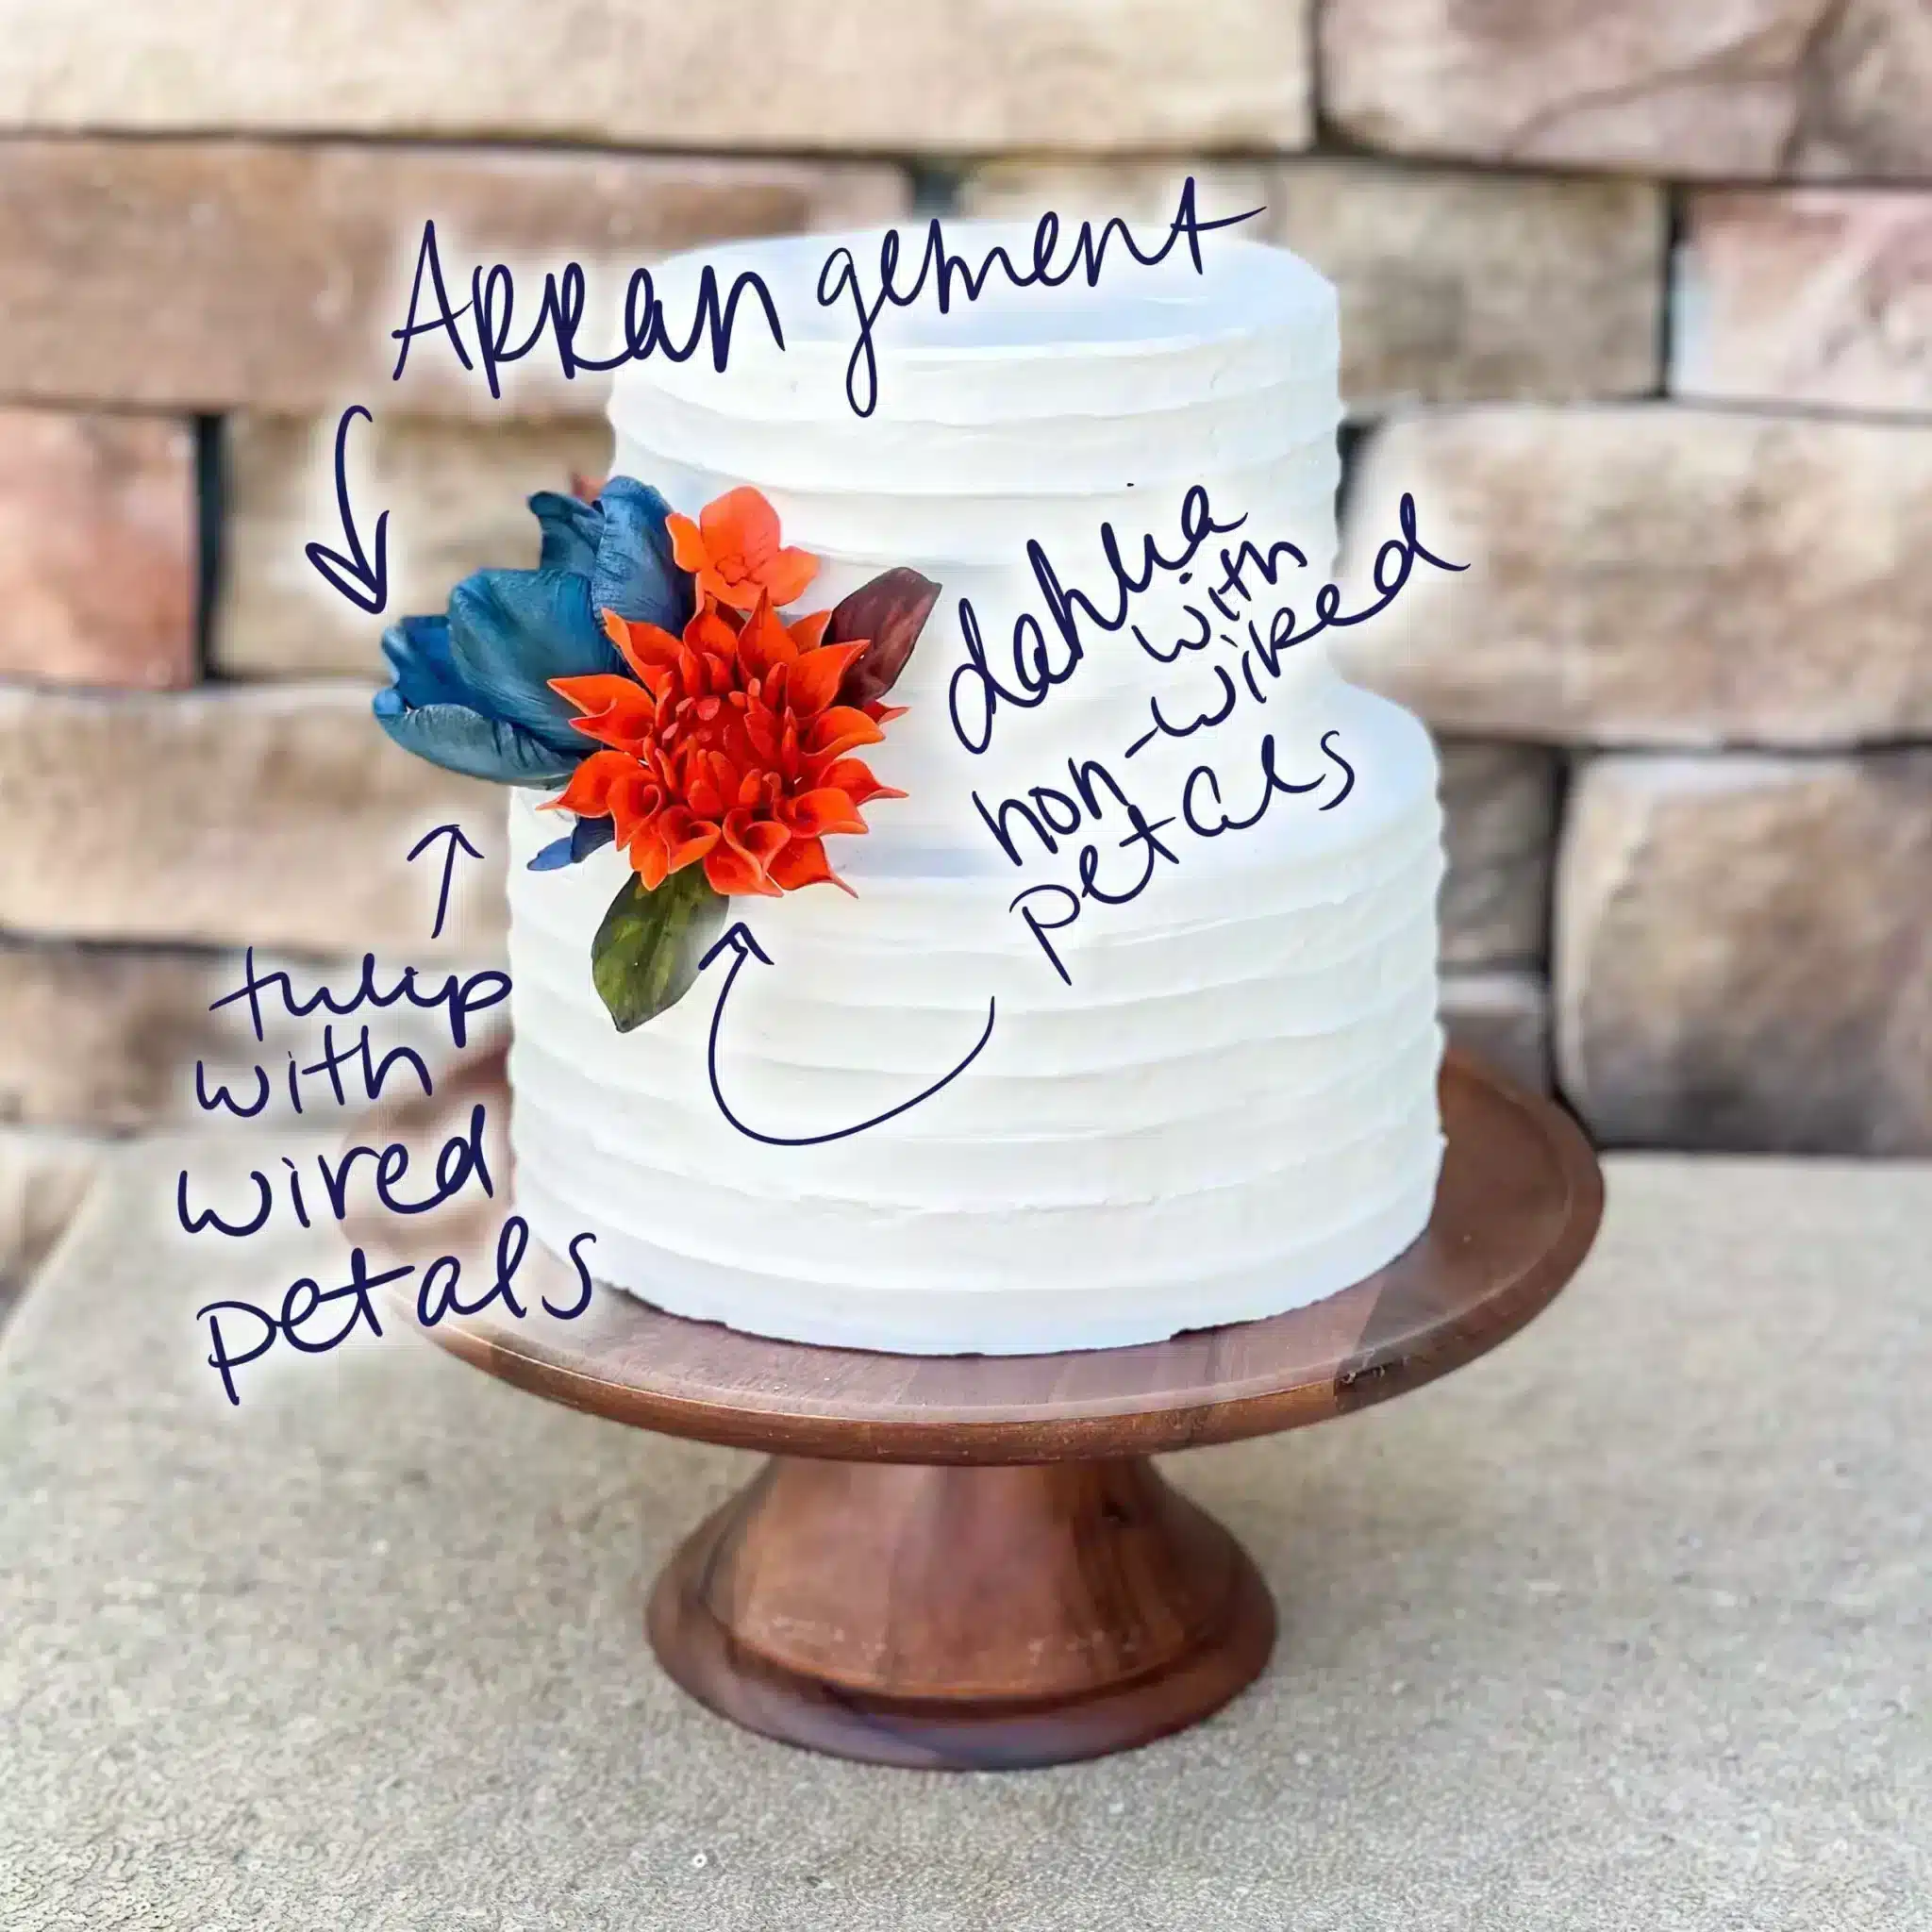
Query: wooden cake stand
(970, 1561)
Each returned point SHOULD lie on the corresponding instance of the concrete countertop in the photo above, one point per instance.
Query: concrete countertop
(1627, 1626)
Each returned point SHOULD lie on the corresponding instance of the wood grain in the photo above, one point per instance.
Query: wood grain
(968, 1561)
(1516, 1210)
(962, 1618)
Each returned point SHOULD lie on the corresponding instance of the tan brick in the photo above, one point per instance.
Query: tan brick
(210, 276)
(1503, 1018)
(98, 549)
(1653, 574)
(1744, 952)
(1499, 809)
(276, 814)
(1820, 296)
(456, 494)
(107, 1039)
(97, 1037)
(1455, 285)
(1757, 88)
(43, 1178)
(871, 75)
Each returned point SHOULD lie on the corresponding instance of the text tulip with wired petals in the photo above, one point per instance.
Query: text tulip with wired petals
(646, 665)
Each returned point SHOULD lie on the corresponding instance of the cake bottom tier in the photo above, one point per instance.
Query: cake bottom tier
(1229, 1112)
(1034, 1319)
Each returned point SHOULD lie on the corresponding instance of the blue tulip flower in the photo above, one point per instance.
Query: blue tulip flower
(471, 687)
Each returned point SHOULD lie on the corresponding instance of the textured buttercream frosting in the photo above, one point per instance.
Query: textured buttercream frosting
(1226, 1107)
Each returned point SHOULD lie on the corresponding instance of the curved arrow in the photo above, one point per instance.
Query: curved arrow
(363, 585)
(739, 941)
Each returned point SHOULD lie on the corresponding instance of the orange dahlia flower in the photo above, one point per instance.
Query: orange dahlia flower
(733, 552)
(729, 749)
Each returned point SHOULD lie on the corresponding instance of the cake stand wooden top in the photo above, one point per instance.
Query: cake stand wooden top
(1517, 1207)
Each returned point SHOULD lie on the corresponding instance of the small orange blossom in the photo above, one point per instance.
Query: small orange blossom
(733, 551)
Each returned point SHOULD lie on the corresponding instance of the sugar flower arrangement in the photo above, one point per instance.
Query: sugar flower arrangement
(648, 666)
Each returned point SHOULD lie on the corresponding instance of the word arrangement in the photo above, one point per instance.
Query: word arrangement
(940, 276)
(349, 1069)
(1248, 622)
(486, 331)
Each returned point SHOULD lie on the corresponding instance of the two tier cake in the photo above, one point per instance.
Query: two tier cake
(1126, 1023)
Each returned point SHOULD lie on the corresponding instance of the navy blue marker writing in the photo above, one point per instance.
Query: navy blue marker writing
(975, 692)
(1394, 563)
(1272, 782)
(1180, 644)
(462, 999)
(1205, 722)
(839, 277)
(306, 1302)
(309, 1318)
(739, 941)
(561, 313)
(462, 1156)
(1064, 896)
(303, 1295)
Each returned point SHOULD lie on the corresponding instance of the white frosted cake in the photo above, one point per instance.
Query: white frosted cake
(1207, 1101)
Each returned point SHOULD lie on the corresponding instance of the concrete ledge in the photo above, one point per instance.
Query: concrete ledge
(1622, 1626)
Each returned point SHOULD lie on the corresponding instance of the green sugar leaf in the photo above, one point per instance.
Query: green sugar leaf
(646, 953)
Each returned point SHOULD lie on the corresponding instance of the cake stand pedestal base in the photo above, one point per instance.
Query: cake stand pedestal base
(968, 1560)
(961, 1618)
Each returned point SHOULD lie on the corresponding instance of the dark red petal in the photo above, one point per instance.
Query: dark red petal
(888, 613)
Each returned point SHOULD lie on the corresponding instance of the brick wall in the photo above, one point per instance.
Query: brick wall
(1637, 301)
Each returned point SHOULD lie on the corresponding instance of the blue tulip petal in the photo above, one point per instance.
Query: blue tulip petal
(418, 651)
(552, 857)
(511, 631)
(471, 689)
(586, 836)
(635, 575)
(460, 739)
(570, 531)
(591, 835)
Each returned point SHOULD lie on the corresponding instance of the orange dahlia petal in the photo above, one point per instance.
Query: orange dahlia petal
(839, 730)
(626, 728)
(757, 839)
(650, 858)
(855, 779)
(642, 646)
(764, 644)
(816, 675)
(588, 793)
(728, 871)
(635, 800)
(594, 693)
(803, 864)
(761, 730)
(687, 839)
(711, 634)
(808, 632)
(827, 809)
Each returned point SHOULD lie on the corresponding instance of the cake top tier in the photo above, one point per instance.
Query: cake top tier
(1139, 336)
